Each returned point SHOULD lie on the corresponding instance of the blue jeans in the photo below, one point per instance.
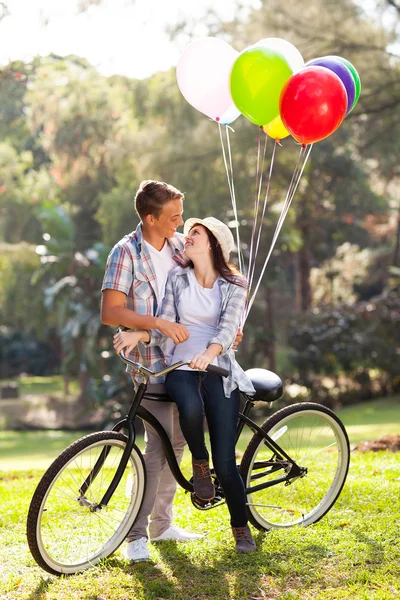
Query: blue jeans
(198, 394)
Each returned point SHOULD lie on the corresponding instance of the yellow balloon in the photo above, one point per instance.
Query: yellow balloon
(276, 129)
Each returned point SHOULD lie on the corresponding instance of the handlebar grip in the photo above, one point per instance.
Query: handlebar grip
(217, 370)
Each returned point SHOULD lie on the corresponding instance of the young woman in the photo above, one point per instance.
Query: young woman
(206, 295)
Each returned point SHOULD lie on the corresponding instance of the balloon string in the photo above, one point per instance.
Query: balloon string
(252, 257)
(230, 185)
(238, 243)
(255, 203)
(290, 194)
(263, 213)
(278, 227)
(289, 197)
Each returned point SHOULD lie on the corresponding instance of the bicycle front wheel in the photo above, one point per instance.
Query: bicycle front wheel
(313, 437)
(66, 530)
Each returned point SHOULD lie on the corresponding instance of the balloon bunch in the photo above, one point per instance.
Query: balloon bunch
(271, 86)
(315, 100)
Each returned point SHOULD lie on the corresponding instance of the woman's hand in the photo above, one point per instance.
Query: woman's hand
(129, 340)
(200, 362)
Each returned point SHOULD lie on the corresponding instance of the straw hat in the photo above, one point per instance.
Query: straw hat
(218, 228)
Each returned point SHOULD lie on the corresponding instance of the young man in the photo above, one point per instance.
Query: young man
(133, 289)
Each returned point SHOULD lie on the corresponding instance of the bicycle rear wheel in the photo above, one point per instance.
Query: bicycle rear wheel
(66, 532)
(314, 437)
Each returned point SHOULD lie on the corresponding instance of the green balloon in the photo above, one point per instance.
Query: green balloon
(257, 78)
(355, 75)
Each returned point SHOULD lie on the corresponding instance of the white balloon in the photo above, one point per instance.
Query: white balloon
(203, 73)
(289, 51)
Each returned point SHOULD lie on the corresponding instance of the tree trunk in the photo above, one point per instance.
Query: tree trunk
(396, 252)
(303, 286)
(83, 377)
(271, 348)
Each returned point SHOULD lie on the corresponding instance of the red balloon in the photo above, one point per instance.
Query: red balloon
(313, 104)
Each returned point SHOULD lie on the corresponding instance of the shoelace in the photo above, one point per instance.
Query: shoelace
(203, 471)
(240, 533)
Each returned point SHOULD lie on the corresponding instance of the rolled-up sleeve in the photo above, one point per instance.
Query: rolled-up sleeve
(167, 312)
(118, 274)
(230, 318)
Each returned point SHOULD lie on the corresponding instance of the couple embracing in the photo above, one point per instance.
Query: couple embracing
(182, 300)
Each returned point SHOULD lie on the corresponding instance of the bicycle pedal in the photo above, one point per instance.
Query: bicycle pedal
(206, 504)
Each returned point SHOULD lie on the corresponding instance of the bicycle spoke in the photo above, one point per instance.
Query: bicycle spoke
(73, 533)
(314, 440)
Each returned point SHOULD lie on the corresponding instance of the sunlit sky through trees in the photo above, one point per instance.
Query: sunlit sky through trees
(128, 37)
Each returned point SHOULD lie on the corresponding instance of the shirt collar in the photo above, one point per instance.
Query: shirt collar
(220, 280)
(140, 239)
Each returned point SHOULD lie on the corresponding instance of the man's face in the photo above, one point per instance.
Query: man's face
(170, 219)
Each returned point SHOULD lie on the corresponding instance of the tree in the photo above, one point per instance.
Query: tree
(70, 280)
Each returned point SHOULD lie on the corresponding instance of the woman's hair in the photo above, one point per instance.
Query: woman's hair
(227, 270)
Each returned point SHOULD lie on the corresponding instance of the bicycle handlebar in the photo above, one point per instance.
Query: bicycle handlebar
(147, 372)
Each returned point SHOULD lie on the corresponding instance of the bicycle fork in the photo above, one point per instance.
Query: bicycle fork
(126, 423)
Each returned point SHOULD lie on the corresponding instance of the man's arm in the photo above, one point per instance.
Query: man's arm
(115, 313)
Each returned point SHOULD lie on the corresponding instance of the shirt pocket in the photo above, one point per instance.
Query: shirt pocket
(141, 286)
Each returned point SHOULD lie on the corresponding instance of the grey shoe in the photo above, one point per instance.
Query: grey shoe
(202, 482)
(244, 540)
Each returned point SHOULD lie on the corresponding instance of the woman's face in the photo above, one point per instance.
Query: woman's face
(197, 243)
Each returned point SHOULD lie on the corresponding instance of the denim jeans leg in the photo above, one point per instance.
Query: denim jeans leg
(222, 414)
(184, 388)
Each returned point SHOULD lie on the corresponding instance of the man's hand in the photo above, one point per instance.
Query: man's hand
(129, 340)
(239, 337)
(178, 333)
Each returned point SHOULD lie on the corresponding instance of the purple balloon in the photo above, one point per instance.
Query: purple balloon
(341, 71)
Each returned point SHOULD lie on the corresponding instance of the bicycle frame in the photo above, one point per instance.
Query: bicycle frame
(281, 459)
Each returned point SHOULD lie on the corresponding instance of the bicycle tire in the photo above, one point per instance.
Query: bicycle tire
(316, 439)
(64, 535)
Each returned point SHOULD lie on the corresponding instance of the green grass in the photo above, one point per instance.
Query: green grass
(353, 553)
(371, 420)
(24, 450)
(52, 385)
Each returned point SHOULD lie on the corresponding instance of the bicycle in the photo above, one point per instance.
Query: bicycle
(87, 500)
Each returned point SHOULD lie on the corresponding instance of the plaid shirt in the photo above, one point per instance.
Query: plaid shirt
(130, 270)
(233, 298)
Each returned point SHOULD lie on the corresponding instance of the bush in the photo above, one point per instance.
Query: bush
(349, 352)
(23, 353)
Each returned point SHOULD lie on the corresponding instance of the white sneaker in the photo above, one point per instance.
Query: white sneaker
(137, 550)
(177, 534)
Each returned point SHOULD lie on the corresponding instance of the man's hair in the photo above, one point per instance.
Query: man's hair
(152, 195)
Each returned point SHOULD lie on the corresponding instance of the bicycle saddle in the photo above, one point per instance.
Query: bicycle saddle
(157, 392)
(158, 397)
(267, 384)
